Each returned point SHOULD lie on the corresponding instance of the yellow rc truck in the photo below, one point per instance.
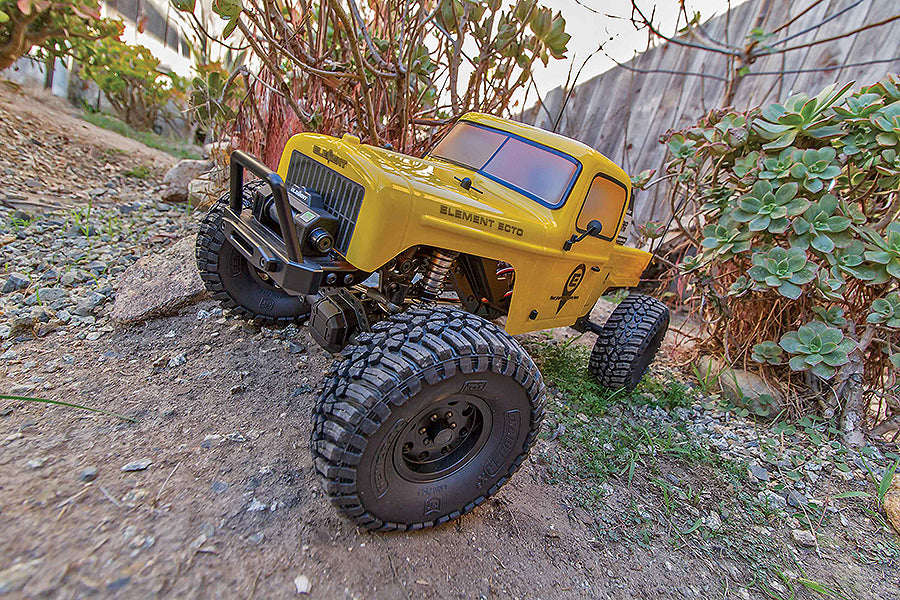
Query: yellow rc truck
(403, 265)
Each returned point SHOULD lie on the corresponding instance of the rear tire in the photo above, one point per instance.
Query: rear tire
(628, 342)
(233, 282)
(425, 418)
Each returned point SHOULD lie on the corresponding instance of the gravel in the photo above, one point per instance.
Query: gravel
(51, 284)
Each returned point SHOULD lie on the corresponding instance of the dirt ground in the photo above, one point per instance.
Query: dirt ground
(211, 492)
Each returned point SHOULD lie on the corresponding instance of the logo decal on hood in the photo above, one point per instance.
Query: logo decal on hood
(329, 156)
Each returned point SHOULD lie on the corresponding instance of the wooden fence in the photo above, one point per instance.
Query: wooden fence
(622, 112)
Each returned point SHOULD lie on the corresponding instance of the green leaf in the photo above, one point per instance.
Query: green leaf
(853, 494)
(229, 27)
(184, 5)
(60, 403)
(885, 483)
(823, 243)
(789, 290)
(3, 17)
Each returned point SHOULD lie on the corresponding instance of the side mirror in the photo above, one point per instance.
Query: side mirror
(593, 229)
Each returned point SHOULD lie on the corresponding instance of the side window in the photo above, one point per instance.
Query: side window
(605, 202)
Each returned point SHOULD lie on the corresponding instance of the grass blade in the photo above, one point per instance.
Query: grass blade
(886, 480)
(854, 494)
(60, 403)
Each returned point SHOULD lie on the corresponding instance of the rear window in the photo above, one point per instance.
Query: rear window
(529, 168)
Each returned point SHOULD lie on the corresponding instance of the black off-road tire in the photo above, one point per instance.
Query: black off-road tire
(628, 342)
(233, 282)
(366, 423)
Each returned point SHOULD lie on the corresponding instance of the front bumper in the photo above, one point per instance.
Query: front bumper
(280, 259)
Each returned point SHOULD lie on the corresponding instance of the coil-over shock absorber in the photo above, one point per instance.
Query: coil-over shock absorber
(438, 268)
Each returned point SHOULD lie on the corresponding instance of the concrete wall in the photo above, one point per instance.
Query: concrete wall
(622, 113)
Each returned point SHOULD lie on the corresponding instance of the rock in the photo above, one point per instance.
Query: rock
(804, 537)
(211, 440)
(743, 388)
(36, 463)
(179, 177)
(47, 295)
(207, 188)
(87, 304)
(138, 465)
(14, 283)
(159, 285)
(256, 538)
(714, 521)
(296, 348)
(796, 499)
(301, 582)
(759, 473)
(15, 577)
(771, 500)
(134, 497)
(257, 506)
(177, 360)
(220, 152)
(219, 487)
(88, 474)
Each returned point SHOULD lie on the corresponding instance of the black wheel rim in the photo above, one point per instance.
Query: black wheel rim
(442, 438)
(262, 279)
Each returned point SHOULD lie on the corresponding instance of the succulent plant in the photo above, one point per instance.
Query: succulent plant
(815, 167)
(778, 167)
(889, 88)
(851, 261)
(858, 108)
(691, 263)
(740, 286)
(820, 228)
(746, 164)
(833, 316)
(800, 115)
(681, 147)
(784, 270)
(768, 210)
(886, 256)
(818, 347)
(726, 237)
(766, 352)
(861, 140)
(886, 311)
(887, 121)
(889, 167)
(828, 286)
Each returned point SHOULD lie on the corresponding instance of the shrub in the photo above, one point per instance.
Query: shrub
(56, 27)
(796, 234)
(130, 78)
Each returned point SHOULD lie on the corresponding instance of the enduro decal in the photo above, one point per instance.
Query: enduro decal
(572, 283)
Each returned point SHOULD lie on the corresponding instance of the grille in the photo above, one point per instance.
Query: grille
(341, 196)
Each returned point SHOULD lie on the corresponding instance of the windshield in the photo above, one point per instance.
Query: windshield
(536, 171)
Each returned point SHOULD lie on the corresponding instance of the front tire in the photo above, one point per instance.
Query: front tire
(236, 284)
(628, 342)
(425, 418)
